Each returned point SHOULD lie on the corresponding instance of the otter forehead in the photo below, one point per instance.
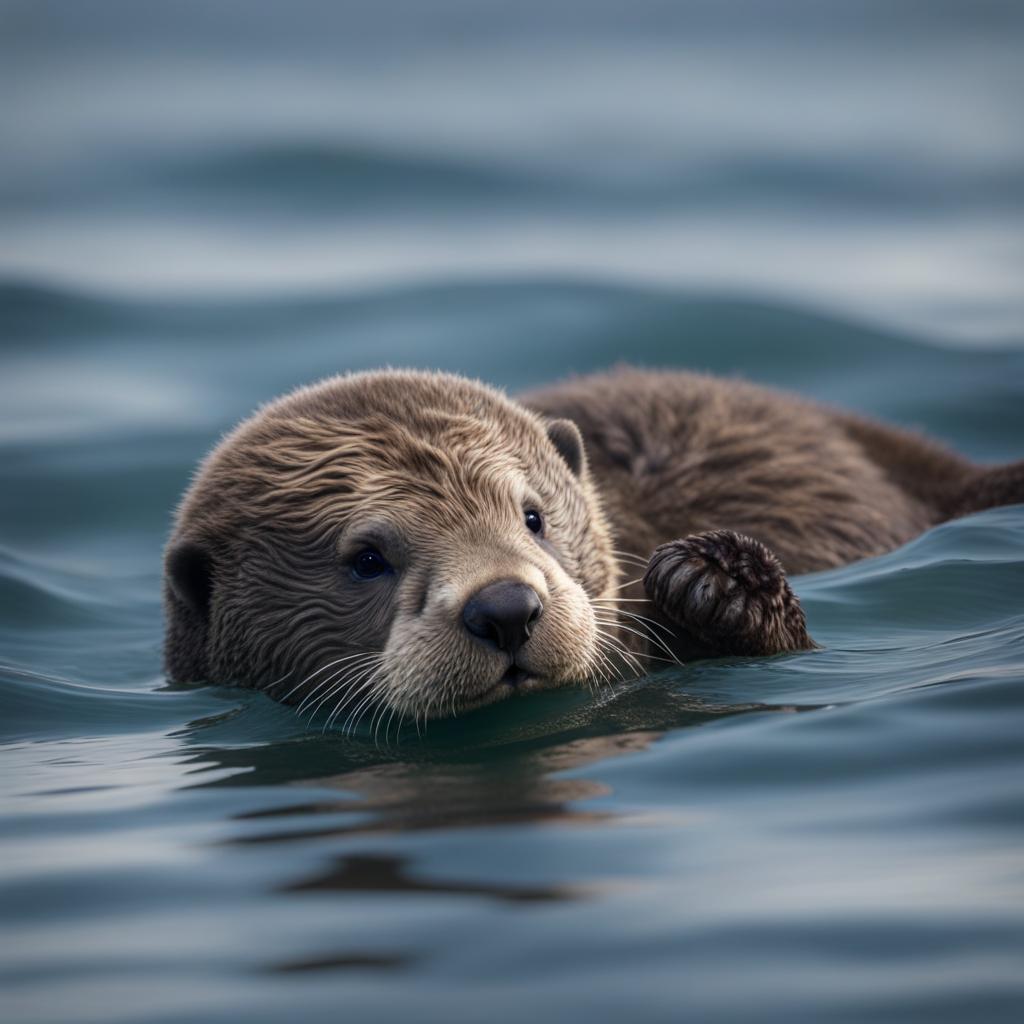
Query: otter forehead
(430, 405)
(373, 465)
(379, 439)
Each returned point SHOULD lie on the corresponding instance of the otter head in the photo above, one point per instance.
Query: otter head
(408, 542)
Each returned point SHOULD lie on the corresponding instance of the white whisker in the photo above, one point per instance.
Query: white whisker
(323, 668)
(354, 716)
(631, 554)
(649, 624)
(367, 682)
(358, 659)
(356, 690)
(653, 638)
(352, 681)
(628, 583)
(642, 618)
(619, 649)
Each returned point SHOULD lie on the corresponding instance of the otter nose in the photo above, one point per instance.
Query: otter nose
(502, 613)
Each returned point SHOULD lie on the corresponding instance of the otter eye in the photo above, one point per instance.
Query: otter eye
(369, 564)
(534, 523)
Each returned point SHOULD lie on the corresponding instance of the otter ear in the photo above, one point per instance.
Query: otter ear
(190, 575)
(568, 440)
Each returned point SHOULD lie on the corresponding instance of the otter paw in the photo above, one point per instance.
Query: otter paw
(729, 593)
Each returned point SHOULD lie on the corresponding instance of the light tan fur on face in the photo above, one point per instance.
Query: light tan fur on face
(434, 664)
(436, 472)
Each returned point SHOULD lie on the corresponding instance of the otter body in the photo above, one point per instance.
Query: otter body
(675, 454)
(415, 544)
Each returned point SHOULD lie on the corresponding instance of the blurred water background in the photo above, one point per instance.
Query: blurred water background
(203, 204)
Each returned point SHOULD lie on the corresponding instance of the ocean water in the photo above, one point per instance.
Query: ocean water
(205, 204)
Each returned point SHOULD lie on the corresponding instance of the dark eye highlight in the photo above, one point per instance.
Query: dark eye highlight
(534, 523)
(369, 564)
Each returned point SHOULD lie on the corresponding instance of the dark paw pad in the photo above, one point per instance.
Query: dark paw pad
(729, 592)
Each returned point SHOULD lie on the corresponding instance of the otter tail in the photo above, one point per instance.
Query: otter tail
(987, 488)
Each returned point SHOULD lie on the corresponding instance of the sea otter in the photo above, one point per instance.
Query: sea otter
(418, 544)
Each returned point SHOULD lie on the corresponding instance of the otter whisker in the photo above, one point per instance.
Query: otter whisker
(648, 624)
(614, 672)
(313, 675)
(377, 718)
(602, 664)
(323, 668)
(398, 728)
(341, 694)
(623, 657)
(664, 661)
(416, 721)
(628, 583)
(598, 665)
(331, 692)
(387, 727)
(354, 675)
(352, 693)
(628, 563)
(616, 624)
(328, 683)
(622, 651)
(652, 637)
(622, 668)
(634, 615)
(588, 677)
(644, 623)
(629, 555)
(343, 675)
(608, 641)
(657, 642)
(351, 721)
(277, 682)
(354, 716)
(364, 686)
(350, 680)
(375, 695)
(358, 659)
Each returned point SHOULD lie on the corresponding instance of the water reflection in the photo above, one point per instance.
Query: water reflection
(350, 961)
(464, 777)
(437, 800)
(383, 873)
(411, 796)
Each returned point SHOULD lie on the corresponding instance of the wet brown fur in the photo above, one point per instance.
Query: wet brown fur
(726, 483)
(433, 469)
(675, 454)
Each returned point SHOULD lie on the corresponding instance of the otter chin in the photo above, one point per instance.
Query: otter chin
(408, 541)
(401, 545)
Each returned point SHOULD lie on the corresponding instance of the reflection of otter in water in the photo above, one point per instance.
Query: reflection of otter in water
(417, 544)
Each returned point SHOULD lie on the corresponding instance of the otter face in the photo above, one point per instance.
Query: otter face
(402, 543)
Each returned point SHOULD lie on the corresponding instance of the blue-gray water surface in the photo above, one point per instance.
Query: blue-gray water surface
(205, 204)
